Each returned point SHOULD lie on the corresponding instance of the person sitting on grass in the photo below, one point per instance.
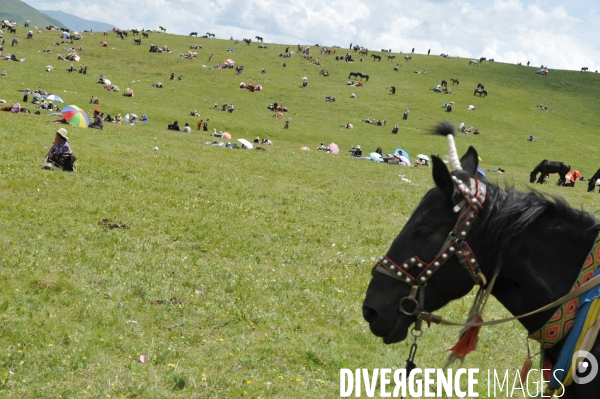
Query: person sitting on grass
(187, 128)
(173, 126)
(98, 120)
(60, 156)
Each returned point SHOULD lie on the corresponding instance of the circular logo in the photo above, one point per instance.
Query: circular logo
(584, 367)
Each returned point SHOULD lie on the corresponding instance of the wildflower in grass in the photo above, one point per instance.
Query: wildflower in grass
(249, 382)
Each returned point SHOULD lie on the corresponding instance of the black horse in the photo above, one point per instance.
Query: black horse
(193, 34)
(522, 238)
(258, 39)
(592, 182)
(546, 166)
(358, 75)
(376, 57)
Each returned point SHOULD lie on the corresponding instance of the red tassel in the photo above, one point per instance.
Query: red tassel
(547, 366)
(468, 342)
(525, 369)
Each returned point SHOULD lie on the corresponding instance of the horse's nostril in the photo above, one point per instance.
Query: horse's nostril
(369, 314)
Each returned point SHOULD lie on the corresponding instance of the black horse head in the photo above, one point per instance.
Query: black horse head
(467, 231)
(420, 243)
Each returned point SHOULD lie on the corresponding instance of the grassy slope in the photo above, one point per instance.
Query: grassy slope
(19, 12)
(269, 252)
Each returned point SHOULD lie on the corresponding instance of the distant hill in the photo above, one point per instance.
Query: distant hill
(19, 12)
(76, 23)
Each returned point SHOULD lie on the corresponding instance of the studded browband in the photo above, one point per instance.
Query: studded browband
(470, 205)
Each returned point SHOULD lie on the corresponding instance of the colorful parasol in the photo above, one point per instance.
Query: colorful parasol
(75, 116)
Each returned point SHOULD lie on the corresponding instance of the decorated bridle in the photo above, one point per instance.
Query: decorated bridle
(468, 207)
(456, 244)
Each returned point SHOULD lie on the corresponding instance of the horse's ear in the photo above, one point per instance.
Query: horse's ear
(470, 161)
(441, 176)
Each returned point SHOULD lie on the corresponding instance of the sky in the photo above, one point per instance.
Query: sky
(554, 33)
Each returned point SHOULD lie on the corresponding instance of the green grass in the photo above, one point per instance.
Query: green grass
(242, 273)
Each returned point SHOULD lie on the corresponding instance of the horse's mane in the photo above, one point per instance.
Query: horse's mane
(538, 166)
(511, 212)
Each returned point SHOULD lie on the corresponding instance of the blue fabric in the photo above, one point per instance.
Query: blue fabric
(402, 152)
(566, 354)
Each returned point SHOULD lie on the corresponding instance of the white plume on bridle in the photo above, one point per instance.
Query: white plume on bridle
(453, 154)
(447, 129)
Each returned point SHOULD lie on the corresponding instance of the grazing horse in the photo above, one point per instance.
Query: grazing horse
(592, 182)
(482, 59)
(210, 35)
(481, 92)
(473, 62)
(137, 41)
(527, 249)
(193, 34)
(407, 58)
(546, 167)
(444, 83)
(363, 52)
(162, 29)
(376, 57)
(358, 74)
(583, 69)
(248, 41)
(454, 81)
(258, 39)
(135, 32)
(390, 57)
(144, 34)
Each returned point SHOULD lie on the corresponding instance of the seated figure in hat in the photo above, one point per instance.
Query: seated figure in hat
(98, 122)
(60, 156)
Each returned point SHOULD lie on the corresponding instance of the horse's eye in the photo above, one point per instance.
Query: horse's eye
(421, 233)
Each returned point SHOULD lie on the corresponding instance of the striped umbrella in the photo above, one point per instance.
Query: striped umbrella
(75, 116)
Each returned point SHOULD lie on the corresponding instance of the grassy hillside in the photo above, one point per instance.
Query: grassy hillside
(77, 24)
(19, 12)
(241, 273)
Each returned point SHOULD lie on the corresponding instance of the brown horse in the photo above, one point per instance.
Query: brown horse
(454, 81)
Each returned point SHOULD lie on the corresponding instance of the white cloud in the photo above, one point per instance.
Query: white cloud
(560, 35)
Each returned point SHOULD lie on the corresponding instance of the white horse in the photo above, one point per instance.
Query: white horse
(474, 62)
